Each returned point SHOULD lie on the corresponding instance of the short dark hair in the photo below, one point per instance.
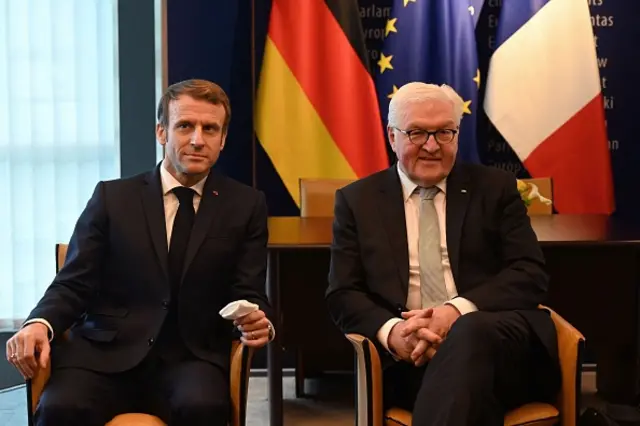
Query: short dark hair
(197, 89)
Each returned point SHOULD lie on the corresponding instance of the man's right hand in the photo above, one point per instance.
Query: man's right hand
(403, 347)
(29, 348)
(412, 341)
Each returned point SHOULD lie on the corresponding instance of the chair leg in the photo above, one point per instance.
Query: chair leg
(299, 375)
(29, 403)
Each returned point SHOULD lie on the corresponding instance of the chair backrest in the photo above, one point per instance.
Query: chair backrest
(317, 196)
(61, 255)
(570, 350)
(545, 189)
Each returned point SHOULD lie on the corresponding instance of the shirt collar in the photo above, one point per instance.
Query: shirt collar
(409, 186)
(169, 182)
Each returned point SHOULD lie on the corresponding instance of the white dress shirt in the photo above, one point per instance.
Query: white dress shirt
(412, 217)
(170, 199)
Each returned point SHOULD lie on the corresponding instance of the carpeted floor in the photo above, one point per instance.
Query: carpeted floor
(331, 403)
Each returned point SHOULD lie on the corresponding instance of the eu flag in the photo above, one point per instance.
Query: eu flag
(433, 41)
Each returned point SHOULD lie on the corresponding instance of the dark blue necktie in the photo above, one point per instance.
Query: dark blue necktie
(180, 233)
(170, 344)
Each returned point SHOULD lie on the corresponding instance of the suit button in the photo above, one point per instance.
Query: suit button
(165, 304)
(151, 341)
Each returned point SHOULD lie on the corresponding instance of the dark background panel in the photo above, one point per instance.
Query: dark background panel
(212, 40)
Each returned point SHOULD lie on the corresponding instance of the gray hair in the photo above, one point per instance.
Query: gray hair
(419, 92)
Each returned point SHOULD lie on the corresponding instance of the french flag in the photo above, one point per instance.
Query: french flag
(543, 95)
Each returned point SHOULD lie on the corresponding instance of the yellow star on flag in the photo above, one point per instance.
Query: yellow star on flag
(391, 27)
(465, 107)
(477, 78)
(406, 2)
(385, 62)
(395, 89)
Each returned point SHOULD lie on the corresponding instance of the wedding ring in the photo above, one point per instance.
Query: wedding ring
(14, 356)
(253, 335)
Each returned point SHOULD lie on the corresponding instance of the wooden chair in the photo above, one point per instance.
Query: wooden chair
(240, 362)
(564, 412)
(543, 187)
(317, 199)
(317, 196)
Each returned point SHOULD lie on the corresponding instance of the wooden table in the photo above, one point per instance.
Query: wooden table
(286, 233)
(556, 232)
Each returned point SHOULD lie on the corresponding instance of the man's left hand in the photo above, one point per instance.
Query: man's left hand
(255, 328)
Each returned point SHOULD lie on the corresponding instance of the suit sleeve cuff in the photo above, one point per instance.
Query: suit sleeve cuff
(383, 333)
(41, 321)
(464, 306)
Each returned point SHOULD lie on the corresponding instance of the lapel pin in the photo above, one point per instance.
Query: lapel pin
(464, 191)
(215, 193)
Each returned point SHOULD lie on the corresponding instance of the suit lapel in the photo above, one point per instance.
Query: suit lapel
(458, 193)
(153, 206)
(391, 204)
(212, 193)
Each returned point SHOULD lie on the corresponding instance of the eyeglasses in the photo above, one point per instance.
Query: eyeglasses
(420, 137)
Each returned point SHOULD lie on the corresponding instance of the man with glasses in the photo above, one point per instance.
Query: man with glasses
(436, 261)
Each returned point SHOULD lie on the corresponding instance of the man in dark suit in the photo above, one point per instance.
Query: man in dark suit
(150, 264)
(436, 262)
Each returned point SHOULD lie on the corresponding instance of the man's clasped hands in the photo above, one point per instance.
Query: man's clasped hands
(416, 339)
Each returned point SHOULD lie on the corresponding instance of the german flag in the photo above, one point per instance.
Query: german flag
(316, 112)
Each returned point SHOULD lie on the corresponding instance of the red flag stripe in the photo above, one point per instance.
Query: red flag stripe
(334, 78)
(581, 178)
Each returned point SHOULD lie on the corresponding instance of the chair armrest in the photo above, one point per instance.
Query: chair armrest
(369, 381)
(36, 385)
(241, 357)
(570, 347)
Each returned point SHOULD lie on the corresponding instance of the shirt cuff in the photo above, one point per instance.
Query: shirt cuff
(41, 321)
(383, 332)
(464, 306)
